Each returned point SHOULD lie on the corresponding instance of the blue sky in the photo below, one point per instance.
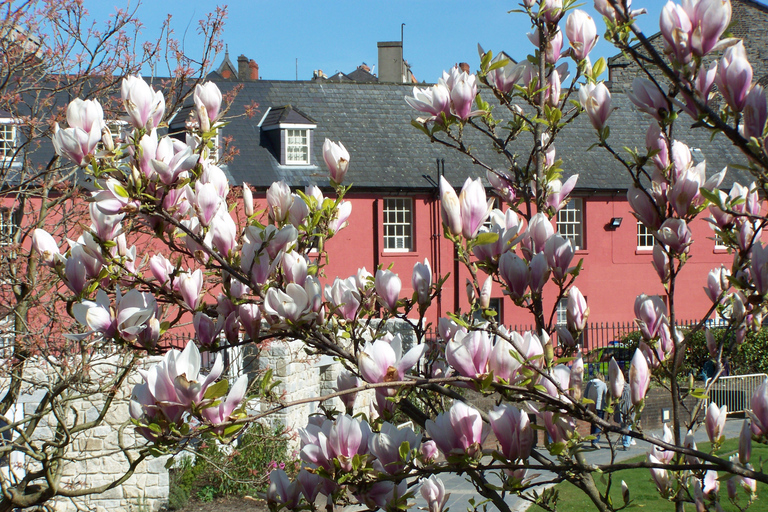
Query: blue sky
(340, 35)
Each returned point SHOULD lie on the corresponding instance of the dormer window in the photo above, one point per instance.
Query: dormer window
(290, 132)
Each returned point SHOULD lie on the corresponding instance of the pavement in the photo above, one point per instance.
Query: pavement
(461, 490)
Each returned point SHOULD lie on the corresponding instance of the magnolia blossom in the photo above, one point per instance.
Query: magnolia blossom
(44, 244)
(734, 76)
(144, 106)
(513, 431)
(648, 98)
(582, 34)
(615, 378)
(576, 310)
(207, 98)
(468, 353)
(346, 381)
(336, 158)
(385, 446)
(715, 421)
(292, 305)
(421, 281)
(382, 360)
(596, 101)
(388, 286)
(433, 492)
(450, 208)
(459, 431)
(639, 378)
(475, 208)
(435, 100)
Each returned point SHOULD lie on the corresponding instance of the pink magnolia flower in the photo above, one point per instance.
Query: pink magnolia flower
(539, 231)
(661, 263)
(715, 421)
(557, 192)
(346, 381)
(616, 379)
(745, 442)
(468, 353)
(206, 329)
(207, 98)
(75, 143)
(450, 208)
(144, 106)
(554, 45)
(676, 234)
(44, 244)
(433, 491)
(433, 100)
(660, 476)
(734, 76)
(501, 362)
(279, 201)
(382, 360)
(339, 220)
(459, 431)
(385, 446)
(336, 158)
(648, 98)
(576, 310)
(388, 286)
(344, 296)
(513, 431)
(676, 28)
(582, 34)
(190, 286)
(650, 313)
(475, 208)
(755, 113)
(559, 253)
(292, 305)
(596, 101)
(421, 280)
(281, 491)
(639, 377)
(663, 455)
(463, 92)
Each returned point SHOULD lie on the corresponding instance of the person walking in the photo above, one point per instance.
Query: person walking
(596, 391)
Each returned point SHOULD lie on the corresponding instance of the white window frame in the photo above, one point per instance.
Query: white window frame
(8, 226)
(561, 316)
(570, 222)
(719, 244)
(644, 235)
(401, 240)
(7, 151)
(302, 133)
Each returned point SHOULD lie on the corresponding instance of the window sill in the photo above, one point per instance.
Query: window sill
(393, 252)
(720, 250)
(644, 250)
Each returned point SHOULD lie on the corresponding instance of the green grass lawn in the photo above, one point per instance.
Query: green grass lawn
(643, 493)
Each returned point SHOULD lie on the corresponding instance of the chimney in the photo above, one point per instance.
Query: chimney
(254, 75)
(242, 68)
(391, 66)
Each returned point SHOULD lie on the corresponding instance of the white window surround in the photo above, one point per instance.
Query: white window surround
(645, 238)
(398, 224)
(719, 244)
(570, 222)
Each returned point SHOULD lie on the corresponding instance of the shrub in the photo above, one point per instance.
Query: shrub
(238, 470)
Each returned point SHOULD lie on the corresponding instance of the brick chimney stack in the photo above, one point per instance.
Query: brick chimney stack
(254, 70)
(243, 71)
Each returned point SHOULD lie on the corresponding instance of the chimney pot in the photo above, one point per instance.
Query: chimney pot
(254, 75)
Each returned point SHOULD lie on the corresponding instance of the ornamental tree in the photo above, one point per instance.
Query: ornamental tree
(270, 282)
(52, 52)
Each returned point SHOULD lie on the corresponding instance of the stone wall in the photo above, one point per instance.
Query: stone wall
(93, 457)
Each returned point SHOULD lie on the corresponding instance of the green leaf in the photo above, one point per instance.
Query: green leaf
(405, 449)
(421, 127)
(598, 68)
(217, 390)
(486, 238)
(498, 64)
(712, 196)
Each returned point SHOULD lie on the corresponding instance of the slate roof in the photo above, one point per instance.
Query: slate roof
(374, 124)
